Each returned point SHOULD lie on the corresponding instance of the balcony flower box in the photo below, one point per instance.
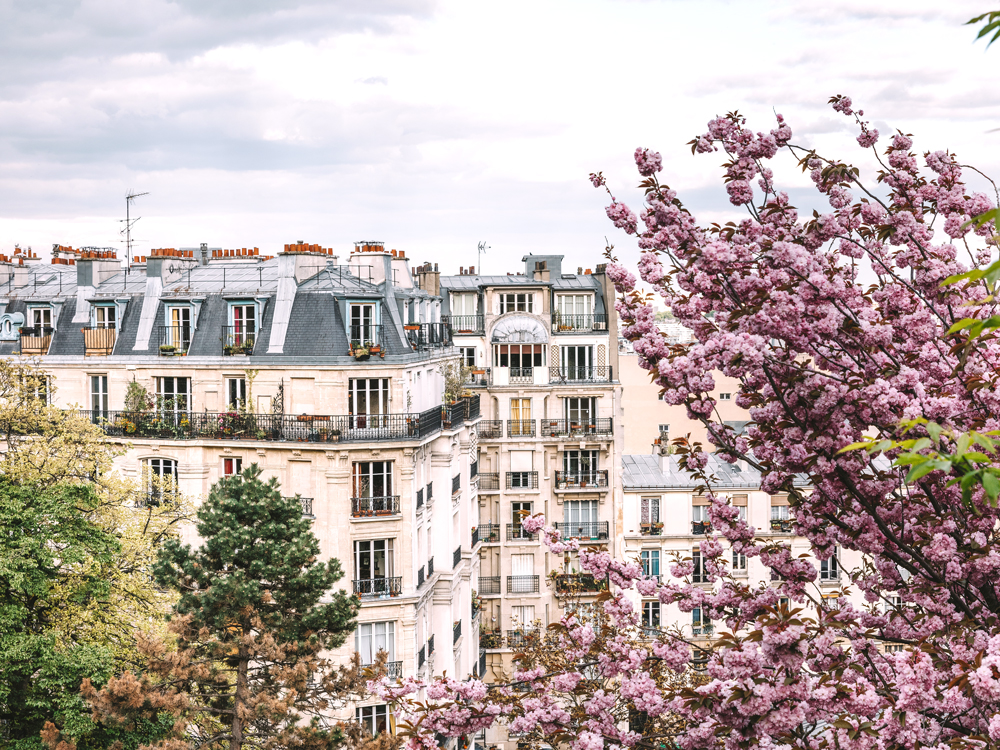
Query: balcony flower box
(411, 327)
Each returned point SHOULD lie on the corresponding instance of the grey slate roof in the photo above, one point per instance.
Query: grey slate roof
(472, 283)
(643, 473)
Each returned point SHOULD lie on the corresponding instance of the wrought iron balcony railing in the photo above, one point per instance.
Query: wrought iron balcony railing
(522, 584)
(456, 631)
(237, 340)
(701, 527)
(490, 429)
(489, 533)
(456, 557)
(362, 507)
(580, 374)
(479, 377)
(430, 645)
(571, 480)
(465, 324)
(585, 530)
(572, 583)
(489, 585)
(577, 427)
(520, 428)
(307, 507)
(378, 587)
(394, 670)
(572, 323)
(517, 533)
(430, 567)
(182, 424)
(428, 335)
(420, 577)
(174, 340)
(490, 639)
(522, 375)
(489, 481)
(522, 638)
(365, 340)
(522, 480)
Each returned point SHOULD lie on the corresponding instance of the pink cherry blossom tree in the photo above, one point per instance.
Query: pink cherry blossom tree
(840, 329)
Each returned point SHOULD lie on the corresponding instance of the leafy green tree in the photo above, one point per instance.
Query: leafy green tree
(255, 612)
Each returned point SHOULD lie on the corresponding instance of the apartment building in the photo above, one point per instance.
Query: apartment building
(665, 517)
(540, 348)
(325, 372)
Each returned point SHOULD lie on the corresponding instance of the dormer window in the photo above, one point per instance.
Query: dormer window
(363, 329)
(40, 317)
(176, 335)
(241, 333)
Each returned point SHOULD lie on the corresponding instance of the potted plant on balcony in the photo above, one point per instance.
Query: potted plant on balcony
(247, 347)
(656, 528)
(227, 350)
(167, 350)
(361, 353)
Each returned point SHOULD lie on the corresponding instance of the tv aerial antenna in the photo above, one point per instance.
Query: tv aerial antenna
(483, 247)
(129, 223)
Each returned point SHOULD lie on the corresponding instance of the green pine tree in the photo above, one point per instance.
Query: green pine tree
(255, 613)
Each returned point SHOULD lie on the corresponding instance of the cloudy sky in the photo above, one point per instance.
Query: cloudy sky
(433, 124)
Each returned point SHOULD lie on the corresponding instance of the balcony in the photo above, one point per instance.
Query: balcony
(579, 480)
(466, 325)
(380, 588)
(489, 481)
(654, 528)
(420, 577)
(522, 480)
(489, 533)
(593, 531)
(703, 630)
(394, 670)
(174, 340)
(516, 533)
(701, 527)
(474, 469)
(490, 639)
(430, 567)
(428, 335)
(464, 409)
(237, 341)
(420, 498)
(520, 428)
(235, 425)
(475, 537)
(307, 507)
(456, 631)
(35, 340)
(98, 341)
(430, 645)
(522, 584)
(578, 427)
(522, 638)
(574, 583)
(456, 484)
(569, 323)
(521, 376)
(579, 374)
(490, 429)
(489, 585)
(366, 507)
(479, 377)
(421, 657)
(365, 340)
(781, 525)
(456, 557)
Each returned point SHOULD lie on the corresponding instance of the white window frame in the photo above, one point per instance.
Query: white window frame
(180, 330)
(167, 470)
(236, 392)
(99, 401)
(372, 637)
(231, 465)
(371, 717)
(102, 313)
(181, 396)
(516, 302)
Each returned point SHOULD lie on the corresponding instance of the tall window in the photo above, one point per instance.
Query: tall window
(236, 393)
(651, 615)
(179, 327)
(243, 318)
(523, 617)
(519, 511)
(700, 623)
(106, 316)
(372, 637)
(650, 510)
(374, 718)
(698, 575)
(463, 305)
(573, 311)
(581, 464)
(160, 479)
(373, 559)
(829, 570)
(468, 355)
(368, 396)
(173, 396)
(580, 516)
(372, 479)
(362, 324)
(739, 563)
(576, 362)
(650, 559)
(518, 356)
(520, 417)
(99, 396)
(580, 411)
(511, 302)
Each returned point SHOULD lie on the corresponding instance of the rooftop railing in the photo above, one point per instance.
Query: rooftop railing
(234, 425)
(577, 427)
(580, 374)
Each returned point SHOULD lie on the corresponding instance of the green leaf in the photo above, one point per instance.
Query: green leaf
(992, 487)
(934, 430)
(963, 323)
(962, 444)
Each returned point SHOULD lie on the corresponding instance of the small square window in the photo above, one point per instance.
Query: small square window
(725, 396)
(231, 466)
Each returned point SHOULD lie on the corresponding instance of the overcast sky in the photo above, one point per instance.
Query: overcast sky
(431, 124)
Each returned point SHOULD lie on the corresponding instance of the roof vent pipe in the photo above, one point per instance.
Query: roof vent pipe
(204, 253)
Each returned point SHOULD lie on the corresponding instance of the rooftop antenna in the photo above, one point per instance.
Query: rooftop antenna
(129, 222)
(483, 247)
